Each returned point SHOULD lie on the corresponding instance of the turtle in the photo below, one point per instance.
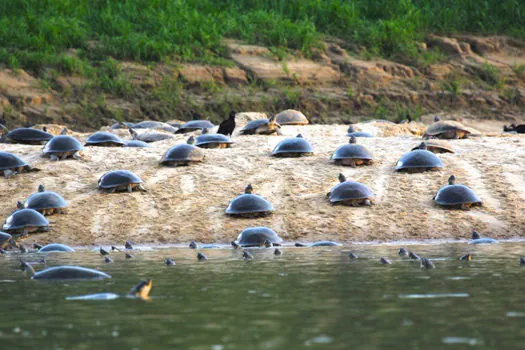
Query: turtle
(435, 146)
(11, 164)
(384, 261)
(293, 147)
(104, 139)
(456, 196)
(5, 239)
(522, 261)
(129, 256)
(183, 154)
(120, 180)
(261, 127)
(149, 136)
(45, 202)
(247, 255)
(255, 236)
(350, 193)
(352, 131)
(103, 251)
(403, 252)
(128, 245)
(353, 255)
(121, 125)
(140, 291)
(62, 147)
(195, 245)
(55, 248)
(418, 161)
(291, 117)
(319, 244)
(519, 129)
(169, 262)
(227, 126)
(413, 256)
(150, 124)
(426, 263)
(447, 129)
(201, 257)
(207, 140)
(108, 260)
(25, 221)
(352, 154)
(466, 257)
(65, 273)
(28, 136)
(136, 144)
(277, 252)
(193, 125)
(477, 239)
(249, 205)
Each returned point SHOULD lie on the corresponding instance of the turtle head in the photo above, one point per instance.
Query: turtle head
(248, 189)
(299, 136)
(342, 178)
(193, 245)
(191, 140)
(41, 188)
(422, 145)
(19, 205)
(232, 115)
(128, 245)
(351, 128)
(451, 180)
(352, 139)
(133, 133)
(44, 128)
(436, 119)
(64, 131)
(25, 266)
(205, 131)
(475, 234)
(142, 289)
(267, 244)
(235, 245)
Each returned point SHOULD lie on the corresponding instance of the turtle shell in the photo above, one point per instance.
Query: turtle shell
(9, 160)
(25, 218)
(136, 143)
(55, 247)
(437, 146)
(69, 272)
(254, 125)
(249, 203)
(326, 244)
(103, 137)
(195, 125)
(182, 153)
(352, 151)
(4, 237)
(118, 126)
(349, 190)
(456, 195)
(29, 135)
(149, 124)
(154, 136)
(62, 143)
(359, 134)
(296, 145)
(291, 117)
(418, 159)
(206, 139)
(256, 236)
(45, 200)
(446, 129)
(118, 178)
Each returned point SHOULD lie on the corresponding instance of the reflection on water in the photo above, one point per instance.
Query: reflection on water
(307, 298)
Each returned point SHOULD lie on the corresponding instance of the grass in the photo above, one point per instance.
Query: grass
(38, 34)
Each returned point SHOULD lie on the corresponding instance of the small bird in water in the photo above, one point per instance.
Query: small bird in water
(169, 262)
(108, 260)
(103, 251)
(130, 256)
(353, 256)
(403, 252)
(128, 245)
(228, 125)
(201, 257)
(193, 245)
(247, 255)
(277, 251)
(427, 263)
(268, 244)
(235, 245)
(466, 257)
(413, 256)
(385, 261)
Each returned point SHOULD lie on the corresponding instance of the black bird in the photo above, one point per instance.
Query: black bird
(228, 125)
(520, 129)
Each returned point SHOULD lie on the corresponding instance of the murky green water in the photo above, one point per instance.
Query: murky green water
(308, 298)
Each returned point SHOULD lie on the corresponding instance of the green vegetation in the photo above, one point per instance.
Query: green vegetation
(38, 34)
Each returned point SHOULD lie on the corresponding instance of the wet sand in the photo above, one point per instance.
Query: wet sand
(186, 203)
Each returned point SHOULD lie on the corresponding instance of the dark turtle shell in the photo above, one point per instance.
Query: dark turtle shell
(418, 159)
(119, 126)
(182, 153)
(256, 236)
(9, 160)
(25, 218)
(249, 203)
(254, 125)
(206, 139)
(351, 151)
(103, 137)
(149, 124)
(348, 190)
(326, 244)
(453, 195)
(118, 178)
(136, 143)
(291, 117)
(55, 247)
(69, 272)
(291, 146)
(4, 237)
(29, 135)
(45, 200)
(193, 125)
(359, 134)
(62, 143)
(447, 129)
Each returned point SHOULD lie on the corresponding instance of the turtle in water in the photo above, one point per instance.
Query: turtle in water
(150, 124)
(352, 154)
(352, 131)
(350, 193)
(249, 205)
(291, 117)
(277, 252)
(522, 261)
(11, 164)
(519, 129)
(207, 140)
(319, 244)
(201, 257)
(194, 125)
(149, 137)
(170, 262)
(62, 147)
(477, 239)
(247, 255)
(140, 291)
(419, 160)
(447, 129)
(293, 147)
(426, 263)
(108, 260)
(227, 127)
(403, 252)
(129, 256)
(195, 245)
(384, 261)
(45, 202)
(128, 245)
(353, 255)
(466, 257)
(456, 196)
(183, 154)
(55, 248)
(136, 144)
(435, 146)
(25, 221)
(120, 180)
(235, 245)
(261, 127)
(256, 236)
(64, 273)
(103, 251)
(7, 241)
(104, 139)
(27, 136)
(413, 256)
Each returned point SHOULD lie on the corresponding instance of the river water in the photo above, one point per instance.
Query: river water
(308, 298)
